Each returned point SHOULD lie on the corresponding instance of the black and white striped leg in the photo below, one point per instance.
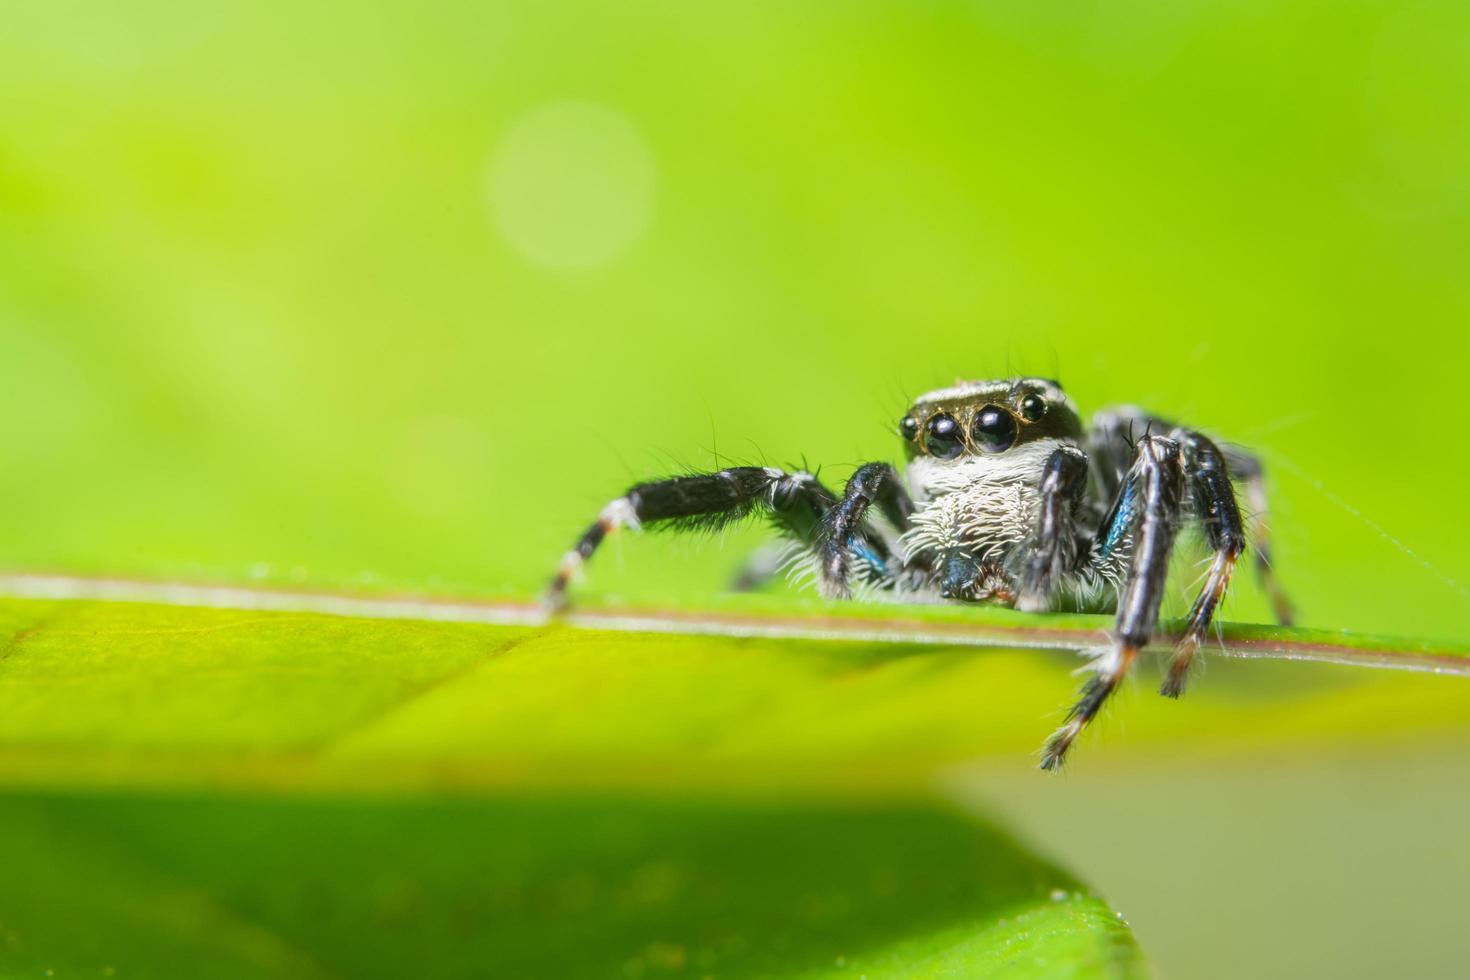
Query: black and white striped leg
(844, 532)
(1248, 469)
(1149, 504)
(1063, 486)
(1208, 479)
(796, 502)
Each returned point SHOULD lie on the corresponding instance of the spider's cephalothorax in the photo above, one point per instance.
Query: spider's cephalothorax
(1007, 499)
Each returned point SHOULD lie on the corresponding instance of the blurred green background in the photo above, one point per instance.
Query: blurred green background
(403, 293)
(398, 295)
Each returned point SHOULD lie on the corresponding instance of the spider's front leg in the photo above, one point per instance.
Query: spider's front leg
(1054, 549)
(843, 529)
(1148, 505)
(797, 502)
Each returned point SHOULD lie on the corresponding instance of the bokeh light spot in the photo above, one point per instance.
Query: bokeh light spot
(572, 185)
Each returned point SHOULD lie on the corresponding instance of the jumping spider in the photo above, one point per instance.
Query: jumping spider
(1007, 499)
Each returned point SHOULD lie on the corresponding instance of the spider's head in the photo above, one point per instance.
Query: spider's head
(985, 418)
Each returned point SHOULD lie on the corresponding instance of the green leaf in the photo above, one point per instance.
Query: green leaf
(298, 887)
(126, 695)
(235, 793)
(267, 791)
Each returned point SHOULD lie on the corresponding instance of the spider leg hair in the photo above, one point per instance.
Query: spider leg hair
(1208, 479)
(1109, 440)
(796, 502)
(1063, 487)
(1252, 475)
(843, 527)
(1149, 505)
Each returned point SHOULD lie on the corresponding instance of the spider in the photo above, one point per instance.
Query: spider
(1007, 499)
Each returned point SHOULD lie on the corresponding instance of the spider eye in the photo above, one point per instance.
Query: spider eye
(994, 429)
(908, 427)
(944, 437)
(1033, 407)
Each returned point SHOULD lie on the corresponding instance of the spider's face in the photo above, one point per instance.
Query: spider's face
(987, 418)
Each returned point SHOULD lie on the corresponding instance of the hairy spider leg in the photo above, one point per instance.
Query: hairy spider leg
(1148, 505)
(796, 502)
(1208, 480)
(843, 531)
(1110, 448)
(1248, 469)
(1063, 490)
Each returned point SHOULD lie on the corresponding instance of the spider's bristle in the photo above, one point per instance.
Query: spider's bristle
(1111, 669)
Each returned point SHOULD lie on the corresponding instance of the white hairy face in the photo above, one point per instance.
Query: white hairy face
(977, 505)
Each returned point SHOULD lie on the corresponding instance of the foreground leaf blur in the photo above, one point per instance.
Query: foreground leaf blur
(196, 792)
(179, 886)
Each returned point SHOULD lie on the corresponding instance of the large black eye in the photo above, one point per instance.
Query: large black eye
(994, 430)
(1033, 407)
(944, 437)
(908, 427)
